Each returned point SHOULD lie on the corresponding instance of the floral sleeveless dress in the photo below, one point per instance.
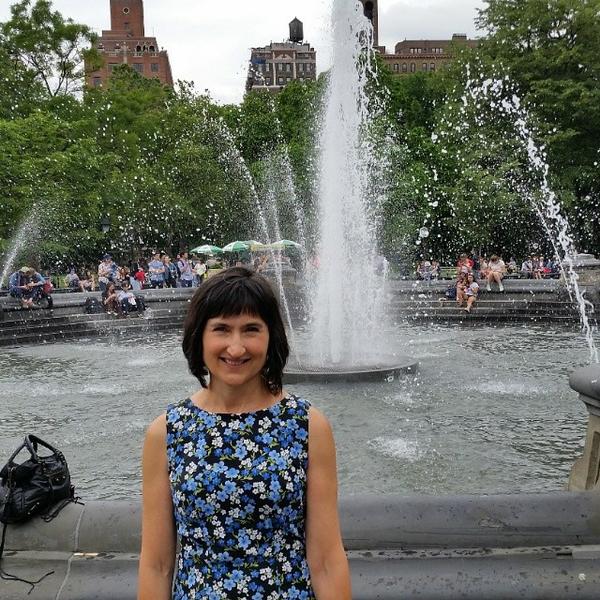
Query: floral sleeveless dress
(238, 483)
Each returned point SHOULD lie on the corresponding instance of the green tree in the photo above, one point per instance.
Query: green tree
(551, 48)
(47, 45)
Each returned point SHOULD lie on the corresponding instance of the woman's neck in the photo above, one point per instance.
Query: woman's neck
(220, 397)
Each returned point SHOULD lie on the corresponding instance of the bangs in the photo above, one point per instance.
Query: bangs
(235, 298)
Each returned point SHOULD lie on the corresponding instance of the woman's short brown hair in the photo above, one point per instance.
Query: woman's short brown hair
(230, 293)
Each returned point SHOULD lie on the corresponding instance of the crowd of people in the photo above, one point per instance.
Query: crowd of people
(160, 271)
(119, 283)
(472, 270)
(532, 267)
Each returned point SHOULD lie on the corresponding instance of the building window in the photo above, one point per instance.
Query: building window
(112, 66)
(280, 67)
(301, 67)
(432, 67)
(268, 67)
(396, 67)
(138, 48)
(126, 11)
(424, 67)
(288, 68)
(413, 67)
(404, 67)
(154, 67)
(97, 81)
(139, 67)
(126, 25)
(280, 80)
(268, 81)
(288, 79)
(152, 49)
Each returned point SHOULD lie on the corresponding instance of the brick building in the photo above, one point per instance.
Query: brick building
(126, 43)
(272, 67)
(411, 56)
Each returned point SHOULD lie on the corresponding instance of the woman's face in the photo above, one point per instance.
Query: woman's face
(235, 348)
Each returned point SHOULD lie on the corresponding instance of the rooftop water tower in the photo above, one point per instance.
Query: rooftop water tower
(296, 31)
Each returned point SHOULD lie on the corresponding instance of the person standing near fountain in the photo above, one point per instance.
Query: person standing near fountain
(241, 472)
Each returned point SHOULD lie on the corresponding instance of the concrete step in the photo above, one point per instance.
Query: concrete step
(104, 327)
(47, 317)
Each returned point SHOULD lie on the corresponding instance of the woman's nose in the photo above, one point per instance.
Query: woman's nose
(236, 349)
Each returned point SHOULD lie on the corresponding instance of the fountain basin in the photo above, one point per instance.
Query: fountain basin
(386, 370)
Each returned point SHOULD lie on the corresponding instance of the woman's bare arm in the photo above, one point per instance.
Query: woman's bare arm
(327, 560)
(157, 558)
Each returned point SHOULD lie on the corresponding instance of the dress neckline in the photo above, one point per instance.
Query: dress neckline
(279, 403)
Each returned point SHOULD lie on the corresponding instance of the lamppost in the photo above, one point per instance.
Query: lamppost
(105, 224)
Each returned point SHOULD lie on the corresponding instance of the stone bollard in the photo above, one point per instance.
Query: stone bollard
(585, 474)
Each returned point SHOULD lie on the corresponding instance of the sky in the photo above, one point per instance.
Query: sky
(209, 41)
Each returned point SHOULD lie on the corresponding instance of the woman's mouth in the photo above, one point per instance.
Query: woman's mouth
(238, 362)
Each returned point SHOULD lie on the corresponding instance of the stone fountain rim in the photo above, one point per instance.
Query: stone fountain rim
(399, 366)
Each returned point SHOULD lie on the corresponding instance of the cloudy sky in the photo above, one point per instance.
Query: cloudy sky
(209, 41)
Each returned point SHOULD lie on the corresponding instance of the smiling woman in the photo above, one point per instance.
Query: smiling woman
(242, 474)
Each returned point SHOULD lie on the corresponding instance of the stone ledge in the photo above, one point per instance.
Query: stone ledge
(542, 546)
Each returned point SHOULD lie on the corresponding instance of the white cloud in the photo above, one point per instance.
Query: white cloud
(209, 41)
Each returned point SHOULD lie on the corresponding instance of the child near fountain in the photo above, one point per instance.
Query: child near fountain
(241, 473)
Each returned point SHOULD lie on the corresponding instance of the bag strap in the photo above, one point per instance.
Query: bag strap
(5, 472)
(33, 441)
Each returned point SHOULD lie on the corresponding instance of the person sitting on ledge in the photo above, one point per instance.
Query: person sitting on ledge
(110, 300)
(496, 272)
(73, 281)
(470, 292)
(129, 301)
(461, 286)
(527, 268)
(241, 474)
(464, 265)
(26, 285)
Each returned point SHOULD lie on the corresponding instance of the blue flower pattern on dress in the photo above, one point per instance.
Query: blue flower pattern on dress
(238, 483)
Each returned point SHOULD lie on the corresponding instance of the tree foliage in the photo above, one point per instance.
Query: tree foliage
(172, 168)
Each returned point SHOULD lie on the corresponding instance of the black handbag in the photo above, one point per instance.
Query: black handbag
(40, 483)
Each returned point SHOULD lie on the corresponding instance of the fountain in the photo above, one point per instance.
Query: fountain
(344, 340)
(508, 433)
(25, 235)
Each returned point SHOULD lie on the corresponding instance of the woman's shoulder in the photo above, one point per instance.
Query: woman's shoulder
(298, 402)
(157, 430)
(177, 409)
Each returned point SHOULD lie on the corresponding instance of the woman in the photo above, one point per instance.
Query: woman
(496, 272)
(461, 285)
(170, 272)
(241, 473)
(471, 291)
(110, 300)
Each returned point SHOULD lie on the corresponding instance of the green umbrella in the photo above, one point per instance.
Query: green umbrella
(281, 244)
(236, 247)
(207, 249)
